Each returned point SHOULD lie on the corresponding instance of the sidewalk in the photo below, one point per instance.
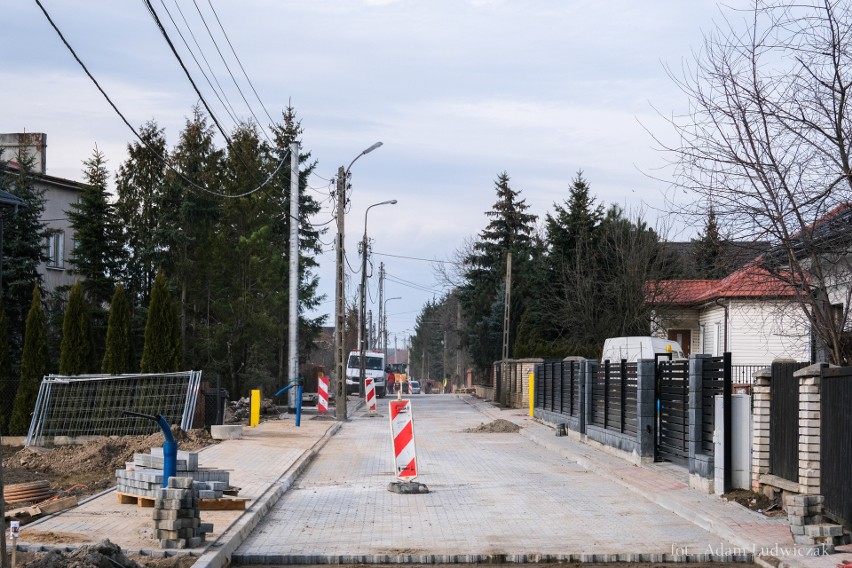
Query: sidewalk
(767, 538)
(264, 463)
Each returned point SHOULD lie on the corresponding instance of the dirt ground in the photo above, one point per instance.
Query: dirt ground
(83, 470)
(495, 427)
(756, 502)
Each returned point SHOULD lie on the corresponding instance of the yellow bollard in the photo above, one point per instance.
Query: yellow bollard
(532, 394)
(254, 417)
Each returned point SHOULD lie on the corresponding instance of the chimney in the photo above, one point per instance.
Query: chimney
(32, 144)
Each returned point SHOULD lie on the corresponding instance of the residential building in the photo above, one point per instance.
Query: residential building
(59, 194)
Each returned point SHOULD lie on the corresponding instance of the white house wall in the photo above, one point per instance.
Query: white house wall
(759, 332)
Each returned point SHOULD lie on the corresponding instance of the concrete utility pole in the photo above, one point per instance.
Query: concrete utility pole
(340, 288)
(294, 275)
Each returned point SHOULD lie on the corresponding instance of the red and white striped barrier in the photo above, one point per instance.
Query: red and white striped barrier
(370, 394)
(322, 391)
(402, 430)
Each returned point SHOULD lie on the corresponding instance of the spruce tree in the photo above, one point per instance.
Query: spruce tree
(98, 248)
(77, 351)
(162, 351)
(139, 182)
(708, 251)
(117, 354)
(510, 228)
(23, 247)
(8, 384)
(33, 366)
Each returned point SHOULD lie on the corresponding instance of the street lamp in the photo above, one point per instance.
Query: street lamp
(363, 313)
(340, 288)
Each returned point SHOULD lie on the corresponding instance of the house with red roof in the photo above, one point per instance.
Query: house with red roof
(751, 313)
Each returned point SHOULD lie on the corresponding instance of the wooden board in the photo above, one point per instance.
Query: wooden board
(128, 499)
(222, 504)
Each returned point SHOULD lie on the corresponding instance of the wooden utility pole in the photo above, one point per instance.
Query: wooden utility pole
(340, 302)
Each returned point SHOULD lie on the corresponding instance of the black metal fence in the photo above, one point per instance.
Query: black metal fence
(672, 440)
(744, 374)
(836, 433)
(716, 380)
(614, 397)
(784, 421)
(557, 387)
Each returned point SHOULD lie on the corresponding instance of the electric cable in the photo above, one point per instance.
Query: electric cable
(228, 67)
(417, 258)
(238, 61)
(135, 132)
(165, 35)
(229, 108)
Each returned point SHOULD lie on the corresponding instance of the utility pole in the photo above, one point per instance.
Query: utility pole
(507, 305)
(340, 303)
(294, 276)
(340, 287)
(444, 358)
(379, 345)
(458, 344)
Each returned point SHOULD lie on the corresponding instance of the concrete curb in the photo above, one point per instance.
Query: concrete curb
(218, 554)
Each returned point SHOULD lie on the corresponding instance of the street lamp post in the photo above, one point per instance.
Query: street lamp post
(363, 347)
(340, 289)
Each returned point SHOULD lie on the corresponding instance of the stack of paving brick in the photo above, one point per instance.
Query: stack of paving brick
(177, 518)
(808, 525)
(144, 475)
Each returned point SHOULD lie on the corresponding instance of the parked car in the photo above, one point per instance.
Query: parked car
(635, 348)
(413, 387)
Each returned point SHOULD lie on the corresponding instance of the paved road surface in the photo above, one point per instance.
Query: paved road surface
(492, 496)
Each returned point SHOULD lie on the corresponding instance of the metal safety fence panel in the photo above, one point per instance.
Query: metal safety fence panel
(93, 405)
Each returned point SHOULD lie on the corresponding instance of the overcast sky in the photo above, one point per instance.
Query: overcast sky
(458, 91)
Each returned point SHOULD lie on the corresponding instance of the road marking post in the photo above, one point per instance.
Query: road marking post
(370, 394)
(322, 391)
(254, 408)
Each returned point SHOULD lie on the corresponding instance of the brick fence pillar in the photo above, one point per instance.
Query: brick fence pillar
(760, 427)
(810, 383)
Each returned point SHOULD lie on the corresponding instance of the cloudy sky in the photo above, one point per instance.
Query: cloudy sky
(457, 90)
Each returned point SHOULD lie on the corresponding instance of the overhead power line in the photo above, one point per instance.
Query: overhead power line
(165, 35)
(417, 258)
(126, 122)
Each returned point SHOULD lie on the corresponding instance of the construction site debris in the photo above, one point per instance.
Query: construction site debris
(497, 426)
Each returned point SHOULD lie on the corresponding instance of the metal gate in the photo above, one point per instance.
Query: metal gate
(784, 421)
(672, 396)
(836, 443)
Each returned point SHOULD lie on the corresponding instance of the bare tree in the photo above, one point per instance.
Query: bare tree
(766, 143)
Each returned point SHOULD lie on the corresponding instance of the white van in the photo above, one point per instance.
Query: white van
(374, 368)
(639, 347)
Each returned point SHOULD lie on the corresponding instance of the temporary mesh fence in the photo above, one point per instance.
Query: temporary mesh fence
(94, 405)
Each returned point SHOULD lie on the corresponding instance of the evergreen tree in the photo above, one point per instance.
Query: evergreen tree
(33, 366)
(185, 231)
(162, 352)
(708, 251)
(8, 384)
(98, 238)
(77, 352)
(139, 182)
(510, 228)
(117, 354)
(24, 249)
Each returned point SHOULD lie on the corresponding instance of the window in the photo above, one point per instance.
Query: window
(56, 250)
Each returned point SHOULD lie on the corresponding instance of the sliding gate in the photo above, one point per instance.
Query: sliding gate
(672, 395)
